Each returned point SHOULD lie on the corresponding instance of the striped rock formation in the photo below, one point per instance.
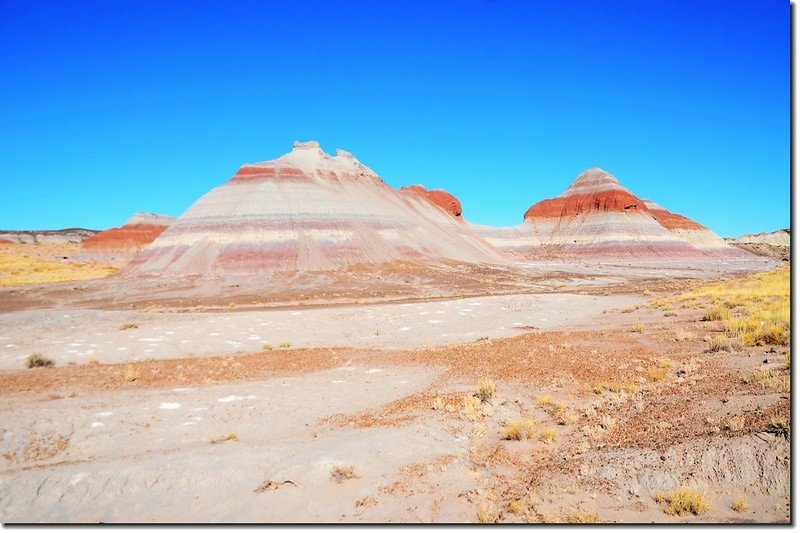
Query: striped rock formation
(119, 245)
(437, 197)
(695, 234)
(597, 216)
(309, 211)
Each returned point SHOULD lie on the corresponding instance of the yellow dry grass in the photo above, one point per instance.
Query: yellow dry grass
(683, 501)
(27, 270)
(754, 309)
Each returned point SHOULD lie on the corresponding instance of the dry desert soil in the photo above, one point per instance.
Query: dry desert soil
(562, 393)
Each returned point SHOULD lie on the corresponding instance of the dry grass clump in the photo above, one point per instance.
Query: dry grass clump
(267, 347)
(486, 513)
(223, 438)
(518, 429)
(684, 501)
(628, 388)
(548, 435)
(716, 313)
(739, 505)
(128, 325)
(340, 474)
(485, 389)
(735, 423)
(769, 378)
(285, 344)
(780, 425)
(722, 343)
(638, 328)
(684, 335)
(37, 360)
(472, 407)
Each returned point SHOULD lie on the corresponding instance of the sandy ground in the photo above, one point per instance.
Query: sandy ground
(82, 335)
(187, 418)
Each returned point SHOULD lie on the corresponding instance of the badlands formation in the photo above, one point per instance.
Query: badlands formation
(308, 344)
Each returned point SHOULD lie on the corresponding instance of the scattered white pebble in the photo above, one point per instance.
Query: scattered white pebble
(105, 413)
(80, 476)
(373, 370)
(98, 425)
(169, 405)
(435, 321)
(182, 389)
(404, 328)
(201, 408)
(228, 399)
(149, 339)
(213, 334)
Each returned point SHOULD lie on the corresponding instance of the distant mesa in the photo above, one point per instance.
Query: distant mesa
(437, 197)
(775, 245)
(56, 236)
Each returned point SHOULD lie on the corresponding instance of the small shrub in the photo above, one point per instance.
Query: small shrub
(719, 343)
(638, 328)
(684, 335)
(223, 438)
(518, 429)
(485, 389)
(735, 423)
(486, 514)
(581, 517)
(128, 325)
(716, 313)
(685, 500)
(285, 344)
(566, 417)
(472, 407)
(545, 399)
(739, 505)
(780, 425)
(548, 435)
(340, 474)
(37, 360)
(670, 313)
(267, 347)
(657, 374)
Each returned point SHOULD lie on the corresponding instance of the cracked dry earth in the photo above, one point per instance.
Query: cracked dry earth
(611, 410)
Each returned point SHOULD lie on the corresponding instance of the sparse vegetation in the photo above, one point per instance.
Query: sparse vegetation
(735, 423)
(285, 344)
(684, 335)
(780, 425)
(485, 389)
(24, 270)
(128, 325)
(628, 388)
(37, 360)
(267, 347)
(486, 513)
(219, 439)
(518, 429)
(340, 473)
(684, 501)
(716, 313)
(548, 435)
(638, 328)
(472, 407)
(739, 505)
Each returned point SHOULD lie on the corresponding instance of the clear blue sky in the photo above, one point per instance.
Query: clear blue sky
(111, 107)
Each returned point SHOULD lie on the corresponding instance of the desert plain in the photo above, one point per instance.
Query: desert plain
(306, 344)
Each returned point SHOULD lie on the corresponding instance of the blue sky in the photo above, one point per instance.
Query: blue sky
(111, 107)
